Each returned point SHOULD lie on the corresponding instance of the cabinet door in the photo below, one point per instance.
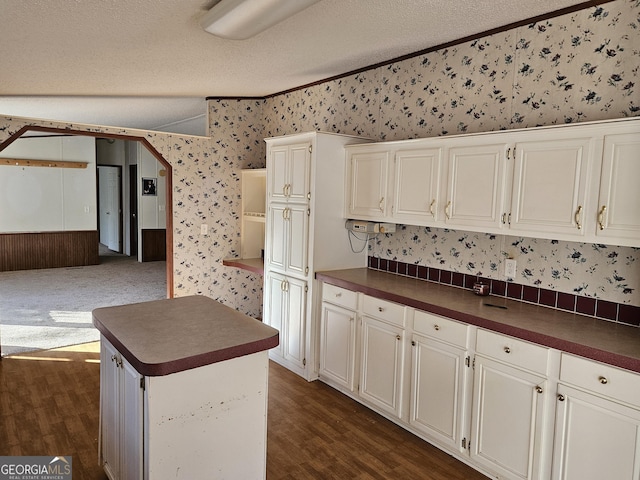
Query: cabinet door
(299, 172)
(507, 419)
(618, 213)
(381, 368)
(109, 409)
(369, 173)
(297, 219)
(131, 440)
(337, 345)
(277, 173)
(275, 308)
(550, 186)
(295, 317)
(475, 190)
(276, 236)
(595, 438)
(438, 378)
(417, 182)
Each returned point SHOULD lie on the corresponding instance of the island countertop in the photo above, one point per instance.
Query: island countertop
(167, 336)
(600, 340)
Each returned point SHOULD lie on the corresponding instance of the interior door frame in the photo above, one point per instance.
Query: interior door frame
(151, 149)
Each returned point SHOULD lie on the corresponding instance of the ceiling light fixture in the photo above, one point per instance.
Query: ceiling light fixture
(242, 19)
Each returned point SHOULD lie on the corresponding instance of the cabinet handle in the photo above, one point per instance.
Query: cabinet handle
(509, 219)
(508, 152)
(380, 309)
(446, 210)
(433, 202)
(338, 295)
(507, 350)
(560, 397)
(413, 343)
(504, 218)
(601, 216)
(398, 337)
(284, 190)
(603, 380)
(436, 327)
(288, 189)
(283, 285)
(539, 389)
(577, 217)
(381, 205)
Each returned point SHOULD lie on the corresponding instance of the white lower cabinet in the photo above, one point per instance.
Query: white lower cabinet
(509, 408)
(381, 364)
(285, 307)
(122, 416)
(597, 430)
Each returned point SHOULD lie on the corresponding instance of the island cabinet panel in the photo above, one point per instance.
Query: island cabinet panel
(182, 403)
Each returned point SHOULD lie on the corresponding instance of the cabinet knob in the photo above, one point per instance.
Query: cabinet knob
(380, 309)
(603, 380)
(539, 389)
(436, 327)
(398, 337)
(507, 350)
(560, 397)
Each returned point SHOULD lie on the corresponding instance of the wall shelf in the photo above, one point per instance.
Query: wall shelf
(25, 162)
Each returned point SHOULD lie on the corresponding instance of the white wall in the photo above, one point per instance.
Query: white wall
(151, 208)
(36, 199)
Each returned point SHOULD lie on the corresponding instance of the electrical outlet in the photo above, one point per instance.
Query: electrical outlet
(204, 229)
(510, 268)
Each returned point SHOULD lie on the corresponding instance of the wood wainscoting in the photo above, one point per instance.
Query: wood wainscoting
(154, 244)
(27, 251)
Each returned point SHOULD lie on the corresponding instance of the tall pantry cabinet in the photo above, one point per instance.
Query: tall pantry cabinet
(305, 233)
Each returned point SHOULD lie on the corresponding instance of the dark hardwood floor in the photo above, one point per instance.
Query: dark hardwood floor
(49, 405)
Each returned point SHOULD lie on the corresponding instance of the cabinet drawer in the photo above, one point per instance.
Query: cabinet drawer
(513, 351)
(339, 296)
(603, 379)
(388, 311)
(440, 328)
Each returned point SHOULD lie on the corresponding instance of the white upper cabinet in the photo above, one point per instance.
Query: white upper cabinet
(417, 186)
(476, 185)
(368, 176)
(549, 192)
(569, 182)
(618, 215)
(289, 169)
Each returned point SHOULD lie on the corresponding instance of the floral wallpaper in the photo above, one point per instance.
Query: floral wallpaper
(577, 67)
(582, 66)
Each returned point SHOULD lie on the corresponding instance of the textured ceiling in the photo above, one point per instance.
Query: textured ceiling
(148, 63)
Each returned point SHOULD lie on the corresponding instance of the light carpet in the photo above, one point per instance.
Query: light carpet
(51, 308)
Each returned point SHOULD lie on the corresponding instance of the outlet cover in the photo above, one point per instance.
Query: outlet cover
(510, 268)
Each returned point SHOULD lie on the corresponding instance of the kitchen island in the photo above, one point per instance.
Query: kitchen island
(183, 390)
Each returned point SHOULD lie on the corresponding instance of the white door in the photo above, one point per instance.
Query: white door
(438, 376)
(595, 438)
(550, 186)
(109, 206)
(381, 367)
(507, 419)
(417, 186)
(368, 184)
(619, 206)
(337, 344)
(475, 191)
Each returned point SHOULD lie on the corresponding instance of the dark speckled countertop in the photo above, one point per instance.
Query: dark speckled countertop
(589, 337)
(168, 336)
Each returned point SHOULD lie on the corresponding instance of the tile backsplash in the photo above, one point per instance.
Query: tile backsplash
(592, 307)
